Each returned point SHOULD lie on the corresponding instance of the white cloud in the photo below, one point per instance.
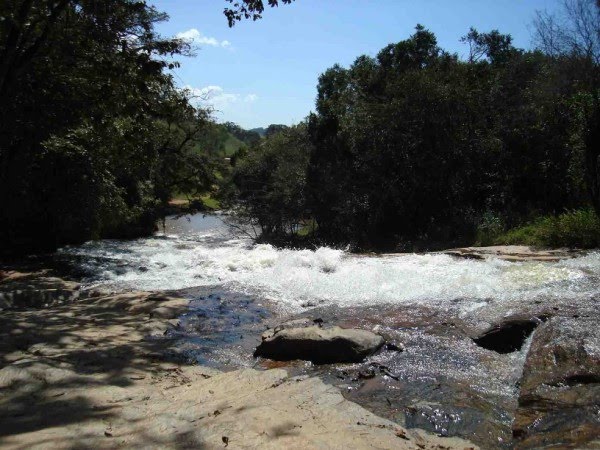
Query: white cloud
(193, 36)
(216, 97)
(213, 96)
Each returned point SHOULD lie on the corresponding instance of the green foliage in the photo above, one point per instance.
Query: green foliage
(268, 186)
(94, 135)
(248, 137)
(210, 202)
(489, 228)
(575, 229)
(249, 9)
(416, 145)
(274, 129)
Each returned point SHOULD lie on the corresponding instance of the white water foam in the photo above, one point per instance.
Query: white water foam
(329, 276)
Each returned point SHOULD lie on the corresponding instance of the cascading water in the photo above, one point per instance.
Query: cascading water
(291, 278)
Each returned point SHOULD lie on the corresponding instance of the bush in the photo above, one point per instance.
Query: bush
(579, 228)
(490, 227)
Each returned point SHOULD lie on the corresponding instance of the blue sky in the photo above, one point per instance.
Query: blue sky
(264, 72)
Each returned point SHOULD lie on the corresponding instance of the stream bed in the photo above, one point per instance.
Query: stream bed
(431, 305)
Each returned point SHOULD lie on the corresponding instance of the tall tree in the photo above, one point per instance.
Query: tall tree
(94, 134)
(572, 36)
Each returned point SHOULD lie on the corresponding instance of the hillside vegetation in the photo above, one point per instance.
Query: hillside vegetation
(416, 148)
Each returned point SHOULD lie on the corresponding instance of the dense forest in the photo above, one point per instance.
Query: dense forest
(418, 148)
(412, 147)
(95, 136)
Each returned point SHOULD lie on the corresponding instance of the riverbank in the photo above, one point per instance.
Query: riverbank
(466, 320)
(99, 370)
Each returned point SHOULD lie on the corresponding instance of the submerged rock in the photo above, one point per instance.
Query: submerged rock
(301, 339)
(559, 398)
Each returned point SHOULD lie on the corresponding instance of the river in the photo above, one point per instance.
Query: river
(427, 302)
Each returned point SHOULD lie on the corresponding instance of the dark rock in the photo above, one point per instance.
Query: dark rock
(393, 347)
(508, 336)
(366, 374)
(301, 339)
(560, 387)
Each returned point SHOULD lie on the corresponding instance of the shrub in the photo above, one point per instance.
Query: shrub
(579, 228)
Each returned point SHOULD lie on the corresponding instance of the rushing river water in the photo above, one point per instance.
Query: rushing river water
(442, 382)
(201, 252)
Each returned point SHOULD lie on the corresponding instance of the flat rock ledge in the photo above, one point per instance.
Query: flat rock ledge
(87, 375)
(303, 339)
(514, 253)
(37, 290)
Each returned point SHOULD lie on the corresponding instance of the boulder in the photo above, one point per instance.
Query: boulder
(560, 388)
(321, 345)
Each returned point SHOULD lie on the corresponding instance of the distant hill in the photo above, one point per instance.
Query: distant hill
(232, 144)
(275, 128)
(261, 131)
(227, 138)
(272, 129)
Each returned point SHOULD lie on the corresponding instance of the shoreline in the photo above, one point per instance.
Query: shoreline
(97, 371)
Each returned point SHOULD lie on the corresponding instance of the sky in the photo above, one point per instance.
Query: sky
(264, 72)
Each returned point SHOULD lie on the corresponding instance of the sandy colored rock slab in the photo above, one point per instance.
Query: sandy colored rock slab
(25, 290)
(86, 375)
(184, 407)
(513, 253)
(319, 344)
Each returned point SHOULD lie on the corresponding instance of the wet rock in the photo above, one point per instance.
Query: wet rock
(560, 389)
(34, 291)
(301, 339)
(507, 336)
(394, 347)
(366, 374)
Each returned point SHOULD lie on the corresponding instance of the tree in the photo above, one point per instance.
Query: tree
(416, 148)
(27, 27)
(573, 37)
(417, 145)
(274, 129)
(248, 137)
(494, 46)
(249, 9)
(575, 30)
(268, 185)
(94, 134)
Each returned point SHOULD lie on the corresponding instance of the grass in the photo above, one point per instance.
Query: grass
(232, 145)
(307, 228)
(210, 203)
(576, 229)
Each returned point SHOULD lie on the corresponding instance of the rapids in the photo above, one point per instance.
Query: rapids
(201, 252)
